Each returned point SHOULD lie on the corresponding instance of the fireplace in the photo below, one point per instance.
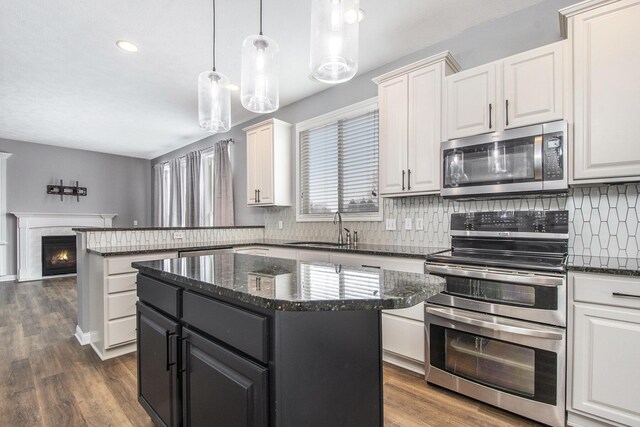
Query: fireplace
(58, 255)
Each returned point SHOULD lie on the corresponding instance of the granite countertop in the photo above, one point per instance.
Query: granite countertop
(291, 285)
(361, 248)
(605, 265)
(85, 229)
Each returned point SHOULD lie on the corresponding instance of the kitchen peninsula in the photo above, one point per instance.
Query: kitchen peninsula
(276, 341)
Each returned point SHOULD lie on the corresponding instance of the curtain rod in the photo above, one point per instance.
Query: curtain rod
(203, 150)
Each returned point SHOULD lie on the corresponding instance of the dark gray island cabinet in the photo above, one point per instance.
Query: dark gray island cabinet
(239, 340)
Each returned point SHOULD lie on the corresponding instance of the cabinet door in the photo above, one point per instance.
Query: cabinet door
(157, 376)
(265, 165)
(533, 86)
(252, 165)
(606, 44)
(393, 107)
(606, 348)
(471, 102)
(423, 162)
(220, 387)
(404, 337)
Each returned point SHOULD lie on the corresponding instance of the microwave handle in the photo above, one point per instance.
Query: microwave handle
(443, 271)
(537, 158)
(517, 330)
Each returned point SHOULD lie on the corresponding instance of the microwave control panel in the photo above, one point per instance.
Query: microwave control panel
(553, 157)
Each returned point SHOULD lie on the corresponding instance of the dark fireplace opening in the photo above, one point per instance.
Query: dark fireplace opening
(58, 255)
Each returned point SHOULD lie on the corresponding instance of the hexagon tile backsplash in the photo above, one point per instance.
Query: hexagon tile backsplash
(603, 220)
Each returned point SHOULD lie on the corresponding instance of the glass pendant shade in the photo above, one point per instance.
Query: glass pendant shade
(259, 91)
(214, 102)
(334, 40)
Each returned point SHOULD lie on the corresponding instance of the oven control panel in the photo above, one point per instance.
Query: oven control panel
(512, 221)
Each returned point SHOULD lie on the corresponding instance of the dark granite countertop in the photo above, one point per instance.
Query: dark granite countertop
(362, 248)
(291, 285)
(605, 265)
(83, 229)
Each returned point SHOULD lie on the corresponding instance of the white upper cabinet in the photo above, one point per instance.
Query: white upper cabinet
(606, 90)
(471, 102)
(410, 103)
(533, 86)
(269, 163)
(520, 90)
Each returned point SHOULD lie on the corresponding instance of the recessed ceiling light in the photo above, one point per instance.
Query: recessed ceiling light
(233, 87)
(127, 45)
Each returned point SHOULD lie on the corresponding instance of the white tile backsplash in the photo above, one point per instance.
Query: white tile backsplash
(603, 220)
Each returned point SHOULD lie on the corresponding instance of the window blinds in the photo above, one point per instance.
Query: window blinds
(339, 167)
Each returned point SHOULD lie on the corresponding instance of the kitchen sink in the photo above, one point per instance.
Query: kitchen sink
(318, 244)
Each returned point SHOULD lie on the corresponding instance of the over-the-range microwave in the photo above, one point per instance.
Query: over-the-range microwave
(515, 161)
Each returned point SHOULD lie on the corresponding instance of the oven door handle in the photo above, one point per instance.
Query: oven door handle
(529, 279)
(517, 330)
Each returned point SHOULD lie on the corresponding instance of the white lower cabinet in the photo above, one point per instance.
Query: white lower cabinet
(604, 387)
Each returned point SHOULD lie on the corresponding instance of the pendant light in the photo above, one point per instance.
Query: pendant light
(214, 98)
(259, 90)
(334, 40)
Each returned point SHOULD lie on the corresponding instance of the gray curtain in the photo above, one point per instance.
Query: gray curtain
(175, 194)
(222, 185)
(158, 207)
(192, 196)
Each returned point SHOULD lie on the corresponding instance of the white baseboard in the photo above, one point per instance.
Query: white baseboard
(8, 278)
(83, 338)
(33, 279)
(403, 362)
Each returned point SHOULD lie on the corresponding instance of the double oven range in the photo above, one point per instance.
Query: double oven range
(497, 330)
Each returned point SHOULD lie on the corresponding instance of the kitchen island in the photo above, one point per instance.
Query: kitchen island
(243, 340)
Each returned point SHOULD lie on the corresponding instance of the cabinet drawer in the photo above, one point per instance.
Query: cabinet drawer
(241, 329)
(404, 337)
(122, 264)
(121, 283)
(120, 331)
(416, 312)
(121, 305)
(160, 295)
(606, 289)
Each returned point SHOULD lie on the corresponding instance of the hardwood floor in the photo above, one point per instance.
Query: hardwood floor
(48, 379)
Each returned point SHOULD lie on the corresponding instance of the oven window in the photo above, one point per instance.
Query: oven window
(500, 162)
(540, 297)
(499, 364)
(512, 368)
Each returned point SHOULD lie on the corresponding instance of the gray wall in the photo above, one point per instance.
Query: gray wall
(527, 29)
(115, 184)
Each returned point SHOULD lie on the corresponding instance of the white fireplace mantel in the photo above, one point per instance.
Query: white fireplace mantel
(31, 226)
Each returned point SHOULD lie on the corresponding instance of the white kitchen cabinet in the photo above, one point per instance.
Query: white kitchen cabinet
(521, 90)
(269, 163)
(533, 86)
(410, 129)
(604, 331)
(605, 42)
(471, 102)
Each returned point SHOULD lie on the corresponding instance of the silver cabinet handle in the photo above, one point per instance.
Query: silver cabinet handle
(490, 109)
(255, 196)
(623, 295)
(258, 196)
(409, 179)
(402, 179)
(506, 107)
(445, 313)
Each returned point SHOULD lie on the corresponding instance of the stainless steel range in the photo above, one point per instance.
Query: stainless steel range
(497, 331)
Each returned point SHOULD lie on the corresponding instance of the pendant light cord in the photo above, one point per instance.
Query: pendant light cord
(260, 17)
(213, 19)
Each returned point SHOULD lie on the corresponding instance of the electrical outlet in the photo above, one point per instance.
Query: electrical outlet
(391, 224)
(280, 226)
(135, 222)
(408, 224)
(178, 235)
(419, 224)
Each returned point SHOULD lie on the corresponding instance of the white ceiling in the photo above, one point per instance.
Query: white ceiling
(64, 82)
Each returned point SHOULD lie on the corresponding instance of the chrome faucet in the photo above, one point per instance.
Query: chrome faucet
(339, 222)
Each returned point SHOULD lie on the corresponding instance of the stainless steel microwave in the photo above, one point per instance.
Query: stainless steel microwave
(524, 160)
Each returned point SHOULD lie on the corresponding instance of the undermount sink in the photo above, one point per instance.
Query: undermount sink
(328, 244)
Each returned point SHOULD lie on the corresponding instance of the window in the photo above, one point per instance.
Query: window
(338, 165)
(207, 188)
